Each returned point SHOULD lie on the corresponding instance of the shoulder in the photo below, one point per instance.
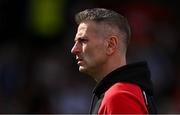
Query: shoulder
(124, 98)
(121, 91)
(124, 89)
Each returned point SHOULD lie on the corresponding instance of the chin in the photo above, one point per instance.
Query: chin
(82, 69)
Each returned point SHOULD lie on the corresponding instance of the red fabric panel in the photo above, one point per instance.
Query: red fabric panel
(123, 98)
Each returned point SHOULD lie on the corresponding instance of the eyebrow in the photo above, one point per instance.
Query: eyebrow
(80, 38)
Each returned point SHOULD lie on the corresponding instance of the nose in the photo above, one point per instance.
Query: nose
(75, 49)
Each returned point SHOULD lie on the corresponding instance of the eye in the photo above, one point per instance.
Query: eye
(83, 40)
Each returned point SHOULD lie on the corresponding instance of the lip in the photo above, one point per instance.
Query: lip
(79, 61)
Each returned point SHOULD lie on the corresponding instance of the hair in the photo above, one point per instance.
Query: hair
(106, 16)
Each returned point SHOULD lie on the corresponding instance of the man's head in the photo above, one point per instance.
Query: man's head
(102, 36)
(107, 17)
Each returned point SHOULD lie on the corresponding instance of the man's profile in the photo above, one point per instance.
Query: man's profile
(100, 48)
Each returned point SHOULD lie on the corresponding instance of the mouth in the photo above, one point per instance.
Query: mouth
(79, 61)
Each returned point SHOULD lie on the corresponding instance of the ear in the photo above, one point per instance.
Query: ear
(112, 44)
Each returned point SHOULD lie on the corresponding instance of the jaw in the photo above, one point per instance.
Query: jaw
(85, 70)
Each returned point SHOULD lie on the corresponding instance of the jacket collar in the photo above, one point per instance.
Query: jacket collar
(136, 73)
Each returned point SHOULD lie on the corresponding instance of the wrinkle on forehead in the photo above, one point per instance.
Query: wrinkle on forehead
(82, 29)
(87, 29)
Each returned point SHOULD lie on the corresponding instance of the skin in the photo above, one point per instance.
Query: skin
(97, 54)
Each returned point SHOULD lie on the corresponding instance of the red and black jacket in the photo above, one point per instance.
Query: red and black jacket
(127, 89)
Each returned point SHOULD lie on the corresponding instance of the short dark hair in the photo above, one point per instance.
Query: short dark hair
(106, 16)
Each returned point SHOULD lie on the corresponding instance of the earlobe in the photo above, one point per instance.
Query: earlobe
(112, 43)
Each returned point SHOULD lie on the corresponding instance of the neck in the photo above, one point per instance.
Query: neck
(108, 67)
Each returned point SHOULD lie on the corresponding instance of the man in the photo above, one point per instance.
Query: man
(100, 47)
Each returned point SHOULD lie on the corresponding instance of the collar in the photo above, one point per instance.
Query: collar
(136, 73)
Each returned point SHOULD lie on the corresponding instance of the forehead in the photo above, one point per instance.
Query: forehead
(86, 28)
(82, 29)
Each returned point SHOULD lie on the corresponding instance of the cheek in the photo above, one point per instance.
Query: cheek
(100, 50)
(96, 53)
